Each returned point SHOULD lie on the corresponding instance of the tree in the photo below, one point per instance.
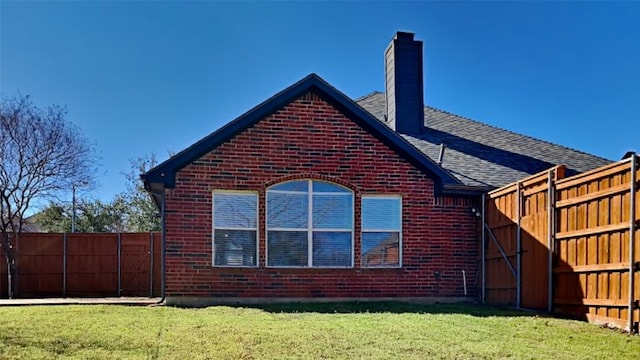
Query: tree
(91, 216)
(54, 218)
(96, 216)
(130, 211)
(141, 213)
(41, 155)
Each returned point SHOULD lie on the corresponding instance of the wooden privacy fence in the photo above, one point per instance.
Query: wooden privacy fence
(85, 265)
(567, 245)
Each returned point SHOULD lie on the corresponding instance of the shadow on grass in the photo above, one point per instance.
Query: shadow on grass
(394, 307)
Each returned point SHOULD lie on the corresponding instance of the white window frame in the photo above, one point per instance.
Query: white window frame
(363, 230)
(213, 227)
(310, 229)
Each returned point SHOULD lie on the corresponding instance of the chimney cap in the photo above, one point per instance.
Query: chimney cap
(403, 35)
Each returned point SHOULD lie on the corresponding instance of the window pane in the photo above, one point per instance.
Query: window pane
(234, 248)
(381, 213)
(380, 249)
(289, 211)
(332, 211)
(331, 249)
(300, 185)
(321, 186)
(287, 248)
(235, 210)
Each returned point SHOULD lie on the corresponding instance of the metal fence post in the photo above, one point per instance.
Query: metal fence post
(64, 265)
(119, 265)
(151, 264)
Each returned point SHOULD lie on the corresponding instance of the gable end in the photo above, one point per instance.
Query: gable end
(164, 175)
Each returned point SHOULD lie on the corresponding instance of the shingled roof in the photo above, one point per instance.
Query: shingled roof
(478, 154)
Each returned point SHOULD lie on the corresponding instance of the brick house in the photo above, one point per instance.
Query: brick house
(313, 195)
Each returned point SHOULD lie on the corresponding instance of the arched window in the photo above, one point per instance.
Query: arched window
(309, 224)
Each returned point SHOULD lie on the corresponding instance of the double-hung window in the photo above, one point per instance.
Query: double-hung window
(309, 224)
(381, 231)
(235, 229)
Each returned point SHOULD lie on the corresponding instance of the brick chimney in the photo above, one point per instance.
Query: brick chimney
(404, 85)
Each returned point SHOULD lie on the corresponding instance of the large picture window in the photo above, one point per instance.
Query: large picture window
(235, 229)
(381, 231)
(309, 224)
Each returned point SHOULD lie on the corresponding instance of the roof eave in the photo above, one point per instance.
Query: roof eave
(466, 190)
(155, 189)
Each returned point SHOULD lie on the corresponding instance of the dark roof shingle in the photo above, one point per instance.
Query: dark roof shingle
(478, 154)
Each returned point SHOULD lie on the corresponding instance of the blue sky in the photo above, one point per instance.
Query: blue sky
(154, 77)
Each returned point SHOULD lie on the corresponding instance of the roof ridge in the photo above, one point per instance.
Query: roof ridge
(513, 132)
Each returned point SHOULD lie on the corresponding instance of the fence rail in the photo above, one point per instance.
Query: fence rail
(574, 244)
(85, 265)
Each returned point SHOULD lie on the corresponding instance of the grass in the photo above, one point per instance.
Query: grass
(382, 330)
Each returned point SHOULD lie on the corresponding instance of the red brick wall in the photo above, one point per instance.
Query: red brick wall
(311, 139)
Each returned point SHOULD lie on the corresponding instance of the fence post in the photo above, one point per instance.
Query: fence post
(483, 251)
(550, 236)
(632, 228)
(64, 265)
(13, 283)
(119, 265)
(151, 264)
(518, 245)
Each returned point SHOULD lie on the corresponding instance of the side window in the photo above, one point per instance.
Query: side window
(235, 229)
(381, 231)
(309, 224)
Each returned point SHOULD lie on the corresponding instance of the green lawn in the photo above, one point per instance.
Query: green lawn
(311, 331)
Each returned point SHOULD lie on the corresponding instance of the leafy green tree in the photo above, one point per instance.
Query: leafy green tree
(91, 216)
(54, 218)
(96, 216)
